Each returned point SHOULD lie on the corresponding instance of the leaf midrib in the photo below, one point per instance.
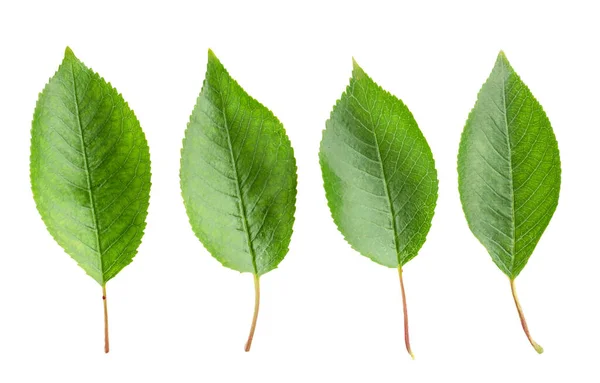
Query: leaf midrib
(242, 205)
(86, 168)
(510, 170)
(385, 185)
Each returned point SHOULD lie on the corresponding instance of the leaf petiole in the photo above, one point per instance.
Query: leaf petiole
(106, 345)
(536, 346)
(405, 309)
(255, 316)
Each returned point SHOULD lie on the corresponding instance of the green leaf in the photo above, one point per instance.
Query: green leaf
(90, 169)
(238, 176)
(379, 174)
(509, 170)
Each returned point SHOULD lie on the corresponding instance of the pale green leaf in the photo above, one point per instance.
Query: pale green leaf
(379, 176)
(379, 173)
(238, 176)
(90, 169)
(238, 179)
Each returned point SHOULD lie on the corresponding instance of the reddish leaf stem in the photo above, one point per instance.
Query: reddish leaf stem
(106, 345)
(405, 309)
(536, 346)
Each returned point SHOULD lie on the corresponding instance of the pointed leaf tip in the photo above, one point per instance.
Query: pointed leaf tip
(69, 53)
(502, 58)
(357, 71)
(212, 57)
(213, 61)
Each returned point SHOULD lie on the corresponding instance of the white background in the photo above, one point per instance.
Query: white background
(328, 314)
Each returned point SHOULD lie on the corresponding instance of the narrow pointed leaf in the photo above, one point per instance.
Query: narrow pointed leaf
(509, 170)
(379, 173)
(238, 176)
(90, 170)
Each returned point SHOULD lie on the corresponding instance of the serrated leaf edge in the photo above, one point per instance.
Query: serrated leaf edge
(285, 137)
(462, 144)
(361, 71)
(68, 52)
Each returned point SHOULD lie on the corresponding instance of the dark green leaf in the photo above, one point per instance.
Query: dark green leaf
(90, 169)
(238, 176)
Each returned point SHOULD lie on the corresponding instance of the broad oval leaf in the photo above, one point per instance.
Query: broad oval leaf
(238, 178)
(509, 169)
(509, 172)
(379, 175)
(90, 169)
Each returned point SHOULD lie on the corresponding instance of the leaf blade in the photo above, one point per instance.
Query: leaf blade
(81, 177)
(379, 174)
(509, 169)
(238, 176)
